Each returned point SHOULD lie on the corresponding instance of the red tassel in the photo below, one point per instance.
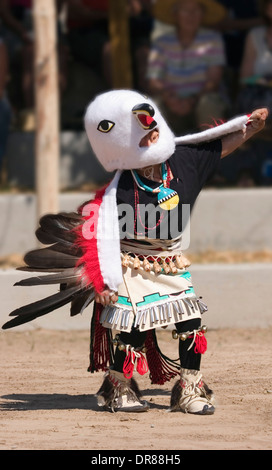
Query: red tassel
(160, 370)
(142, 367)
(128, 366)
(100, 347)
(200, 344)
(133, 359)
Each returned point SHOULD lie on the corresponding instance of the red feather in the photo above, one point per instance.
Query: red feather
(90, 260)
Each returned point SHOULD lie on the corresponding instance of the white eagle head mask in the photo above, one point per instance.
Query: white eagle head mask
(116, 122)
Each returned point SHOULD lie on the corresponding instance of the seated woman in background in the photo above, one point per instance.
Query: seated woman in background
(186, 64)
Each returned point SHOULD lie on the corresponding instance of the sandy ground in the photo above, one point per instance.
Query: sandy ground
(47, 397)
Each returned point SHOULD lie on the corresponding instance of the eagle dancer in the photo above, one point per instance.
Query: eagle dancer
(137, 277)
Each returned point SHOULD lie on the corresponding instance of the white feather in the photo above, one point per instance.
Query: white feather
(233, 125)
(108, 237)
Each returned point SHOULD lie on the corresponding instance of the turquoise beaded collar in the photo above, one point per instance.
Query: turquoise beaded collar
(167, 198)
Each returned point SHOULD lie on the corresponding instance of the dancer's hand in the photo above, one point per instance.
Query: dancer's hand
(256, 123)
(258, 118)
(106, 297)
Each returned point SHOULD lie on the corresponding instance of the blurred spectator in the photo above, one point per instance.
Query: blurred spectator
(186, 65)
(140, 25)
(5, 111)
(17, 18)
(256, 91)
(242, 16)
(88, 36)
(87, 33)
(256, 67)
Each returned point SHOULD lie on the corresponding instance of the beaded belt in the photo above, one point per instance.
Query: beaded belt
(156, 255)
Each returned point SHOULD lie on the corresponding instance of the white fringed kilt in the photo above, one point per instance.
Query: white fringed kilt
(148, 300)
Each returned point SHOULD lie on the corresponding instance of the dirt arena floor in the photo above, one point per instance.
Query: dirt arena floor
(47, 397)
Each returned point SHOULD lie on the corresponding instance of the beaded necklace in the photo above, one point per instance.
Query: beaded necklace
(168, 198)
(138, 216)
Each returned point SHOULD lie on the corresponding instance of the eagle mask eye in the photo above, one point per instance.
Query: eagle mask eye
(105, 126)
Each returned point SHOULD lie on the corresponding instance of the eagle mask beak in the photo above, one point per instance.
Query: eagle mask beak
(144, 113)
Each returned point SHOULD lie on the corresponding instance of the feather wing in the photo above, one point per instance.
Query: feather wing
(37, 309)
(58, 261)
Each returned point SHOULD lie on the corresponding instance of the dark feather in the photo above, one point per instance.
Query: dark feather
(42, 307)
(58, 228)
(81, 301)
(69, 249)
(48, 238)
(39, 270)
(67, 276)
(47, 257)
(58, 231)
(50, 235)
(61, 224)
(62, 219)
(45, 305)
